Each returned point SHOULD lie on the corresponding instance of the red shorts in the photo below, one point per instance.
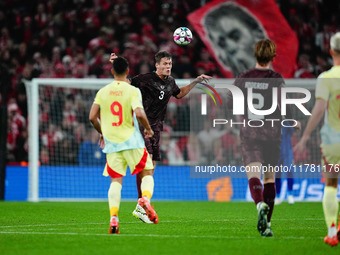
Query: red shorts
(152, 144)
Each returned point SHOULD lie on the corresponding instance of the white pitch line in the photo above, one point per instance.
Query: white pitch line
(160, 236)
(139, 222)
(69, 224)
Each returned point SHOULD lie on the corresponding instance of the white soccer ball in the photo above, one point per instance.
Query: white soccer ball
(182, 36)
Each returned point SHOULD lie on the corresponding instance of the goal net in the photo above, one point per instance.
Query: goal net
(66, 163)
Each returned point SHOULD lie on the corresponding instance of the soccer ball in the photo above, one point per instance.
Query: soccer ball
(182, 36)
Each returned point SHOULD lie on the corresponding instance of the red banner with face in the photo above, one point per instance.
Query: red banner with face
(230, 29)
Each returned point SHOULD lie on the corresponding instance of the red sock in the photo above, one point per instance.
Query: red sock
(139, 182)
(269, 197)
(255, 187)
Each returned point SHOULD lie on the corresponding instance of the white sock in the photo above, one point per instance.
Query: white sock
(258, 205)
(268, 224)
(114, 217)
(331, 231)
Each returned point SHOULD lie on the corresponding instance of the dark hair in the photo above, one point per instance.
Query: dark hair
(120, 65)
(162, 54)
(265, 51)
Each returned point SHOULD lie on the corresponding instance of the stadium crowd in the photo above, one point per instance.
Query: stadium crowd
(73, 38)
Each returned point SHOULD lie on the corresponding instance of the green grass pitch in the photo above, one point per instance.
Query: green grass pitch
(184, 228)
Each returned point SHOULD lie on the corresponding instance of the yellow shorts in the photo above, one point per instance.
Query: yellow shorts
(331, 157)
(136, 159)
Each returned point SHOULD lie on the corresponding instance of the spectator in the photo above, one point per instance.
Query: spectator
(72, 38)
(90, 153)
(44, 156)
(16, 134)
(50, 137)
(322, 63)
(171, 116)
(184, 65)
(66, 151)
(206, 63)
(16, 117)
(170, 153)
(207, 138)
(305, 68)
(322, 38)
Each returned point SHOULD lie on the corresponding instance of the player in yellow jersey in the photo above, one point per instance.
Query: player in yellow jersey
(119, 105)
(327, 96)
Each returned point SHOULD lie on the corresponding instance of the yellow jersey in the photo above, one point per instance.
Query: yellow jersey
(119, 124)
(328, 88)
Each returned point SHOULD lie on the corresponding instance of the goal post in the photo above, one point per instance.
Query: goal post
(32, 89)
(34, 99)
(61, 178)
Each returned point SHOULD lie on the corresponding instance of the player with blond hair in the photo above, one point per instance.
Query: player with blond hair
(260, 146)
(119, 105)
(327, 104)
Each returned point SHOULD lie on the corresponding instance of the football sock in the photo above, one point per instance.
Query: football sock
(139, 182)
(278, 186)
(147, 186)
(330, 205)
(332, 230)
(114, 217)
(290, 182)
(269, 197)
(114, 195)
(258, 206)
(255, 187)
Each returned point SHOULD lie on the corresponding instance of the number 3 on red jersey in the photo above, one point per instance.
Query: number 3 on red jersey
(161, 96)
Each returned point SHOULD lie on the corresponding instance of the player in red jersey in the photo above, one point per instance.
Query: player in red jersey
(261, 145)
(157, 88)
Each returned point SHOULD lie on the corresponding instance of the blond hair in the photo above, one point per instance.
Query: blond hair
(335, 43)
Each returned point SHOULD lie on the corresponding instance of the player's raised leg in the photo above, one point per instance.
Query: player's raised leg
(153, 148)
(139, 181)
(149, 147)
(147, 187)
(140, 163)
(139, 211)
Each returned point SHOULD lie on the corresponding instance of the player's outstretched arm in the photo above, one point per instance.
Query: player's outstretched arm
(317, 114)
(94, 117)
(141, 116)
(186, 89)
